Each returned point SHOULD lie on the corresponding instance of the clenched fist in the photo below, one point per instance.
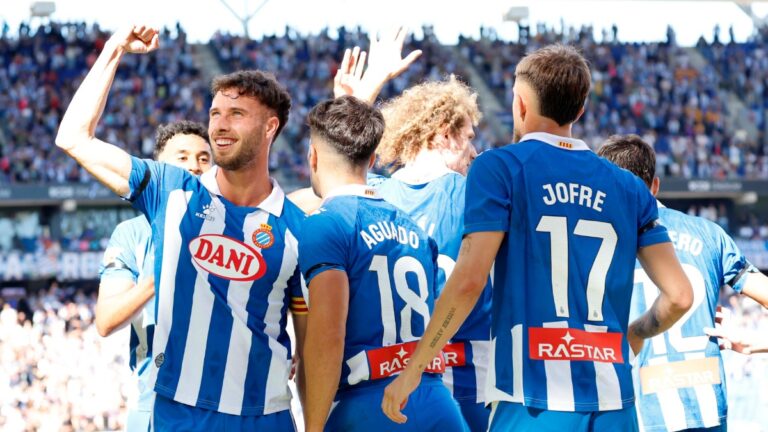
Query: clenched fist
(136, 39)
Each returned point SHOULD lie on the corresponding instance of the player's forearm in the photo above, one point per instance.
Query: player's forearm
(323, 354)
(451, 309)
(79, 122)
(756, 288)
(76, 136)
(662, 315)
(117, 310)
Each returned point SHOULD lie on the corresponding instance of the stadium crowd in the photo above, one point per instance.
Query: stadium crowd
(45, 337)
(56, 372)
(687, 123)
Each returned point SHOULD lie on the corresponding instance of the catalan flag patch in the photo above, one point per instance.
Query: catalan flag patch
(299, 306)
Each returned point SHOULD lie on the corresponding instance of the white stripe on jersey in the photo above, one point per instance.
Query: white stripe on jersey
(517, 363)
(191, 375)
(670, 404)
(480, 361)
(174, 213)
(607, 380)
(358, 368)
(233, 386)
(448, 379)
(705, 394)
(492, 392)
(560, 395)
(278, 396)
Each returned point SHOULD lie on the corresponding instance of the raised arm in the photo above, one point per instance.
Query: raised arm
(385, 62)
(109, 164)
(676, 295)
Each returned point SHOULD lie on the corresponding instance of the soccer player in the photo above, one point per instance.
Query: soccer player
(226, 262)
(371, 275)
(429, 135)
(680, 373)
(563, 227)
(127, 286)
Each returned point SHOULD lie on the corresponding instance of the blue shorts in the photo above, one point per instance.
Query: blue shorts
(430, 408)
(508, 416)
(476, 415)
(169, 415)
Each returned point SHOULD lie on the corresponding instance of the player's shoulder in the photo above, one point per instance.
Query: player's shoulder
(133, 227)
(677, 220)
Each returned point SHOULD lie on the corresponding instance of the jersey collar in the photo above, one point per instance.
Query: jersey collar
(428, 166)
(273, 204)
(363, 191)
(556, 141)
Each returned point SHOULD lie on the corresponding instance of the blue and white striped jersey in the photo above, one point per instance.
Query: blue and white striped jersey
(680, 381)
(437, 206)
(129, 255)
(390, 264)
(225, 277)
(573, 223)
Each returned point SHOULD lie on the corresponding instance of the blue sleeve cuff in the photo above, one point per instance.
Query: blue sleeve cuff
(494, 226)
(320, 269)
(654, 236)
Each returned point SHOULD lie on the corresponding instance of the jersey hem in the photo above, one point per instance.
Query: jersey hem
(258, 410)
(697, 425)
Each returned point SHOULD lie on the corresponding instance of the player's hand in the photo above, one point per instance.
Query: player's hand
(396, 395)
(385, 62)
(730, 339)
(136, 39)
(347, 81)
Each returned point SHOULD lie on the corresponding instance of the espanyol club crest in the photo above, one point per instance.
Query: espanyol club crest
(227, 258)
(263, 237)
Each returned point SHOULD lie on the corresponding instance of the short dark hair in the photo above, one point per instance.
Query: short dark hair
(560, 77)
(260, 85)
(350, 125)
(631, 153)
(184, 127)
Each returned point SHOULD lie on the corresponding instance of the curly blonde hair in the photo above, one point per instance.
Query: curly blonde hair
(421, 112)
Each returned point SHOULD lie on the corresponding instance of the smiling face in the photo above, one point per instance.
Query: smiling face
(187, 151)
(240, 128)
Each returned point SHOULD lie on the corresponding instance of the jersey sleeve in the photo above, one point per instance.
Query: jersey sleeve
(296, 289)
(147, 181)
(735, 264)
(649, 229)
(325, 249)
(488, 202)
(119, 260)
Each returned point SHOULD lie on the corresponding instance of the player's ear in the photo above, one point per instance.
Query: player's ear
(581, 112)
(312, 157)
(271, 128)
(655, 186)
(372, 161)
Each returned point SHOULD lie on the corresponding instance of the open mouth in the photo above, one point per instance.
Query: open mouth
(223, 143)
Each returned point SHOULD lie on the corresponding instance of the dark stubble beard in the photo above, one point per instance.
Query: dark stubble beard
(240, 159)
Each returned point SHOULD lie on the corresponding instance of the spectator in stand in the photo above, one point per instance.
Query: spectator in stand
(55, 366)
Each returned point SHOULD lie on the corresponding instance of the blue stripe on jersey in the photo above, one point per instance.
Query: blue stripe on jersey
(710, 259)
(221, 340)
